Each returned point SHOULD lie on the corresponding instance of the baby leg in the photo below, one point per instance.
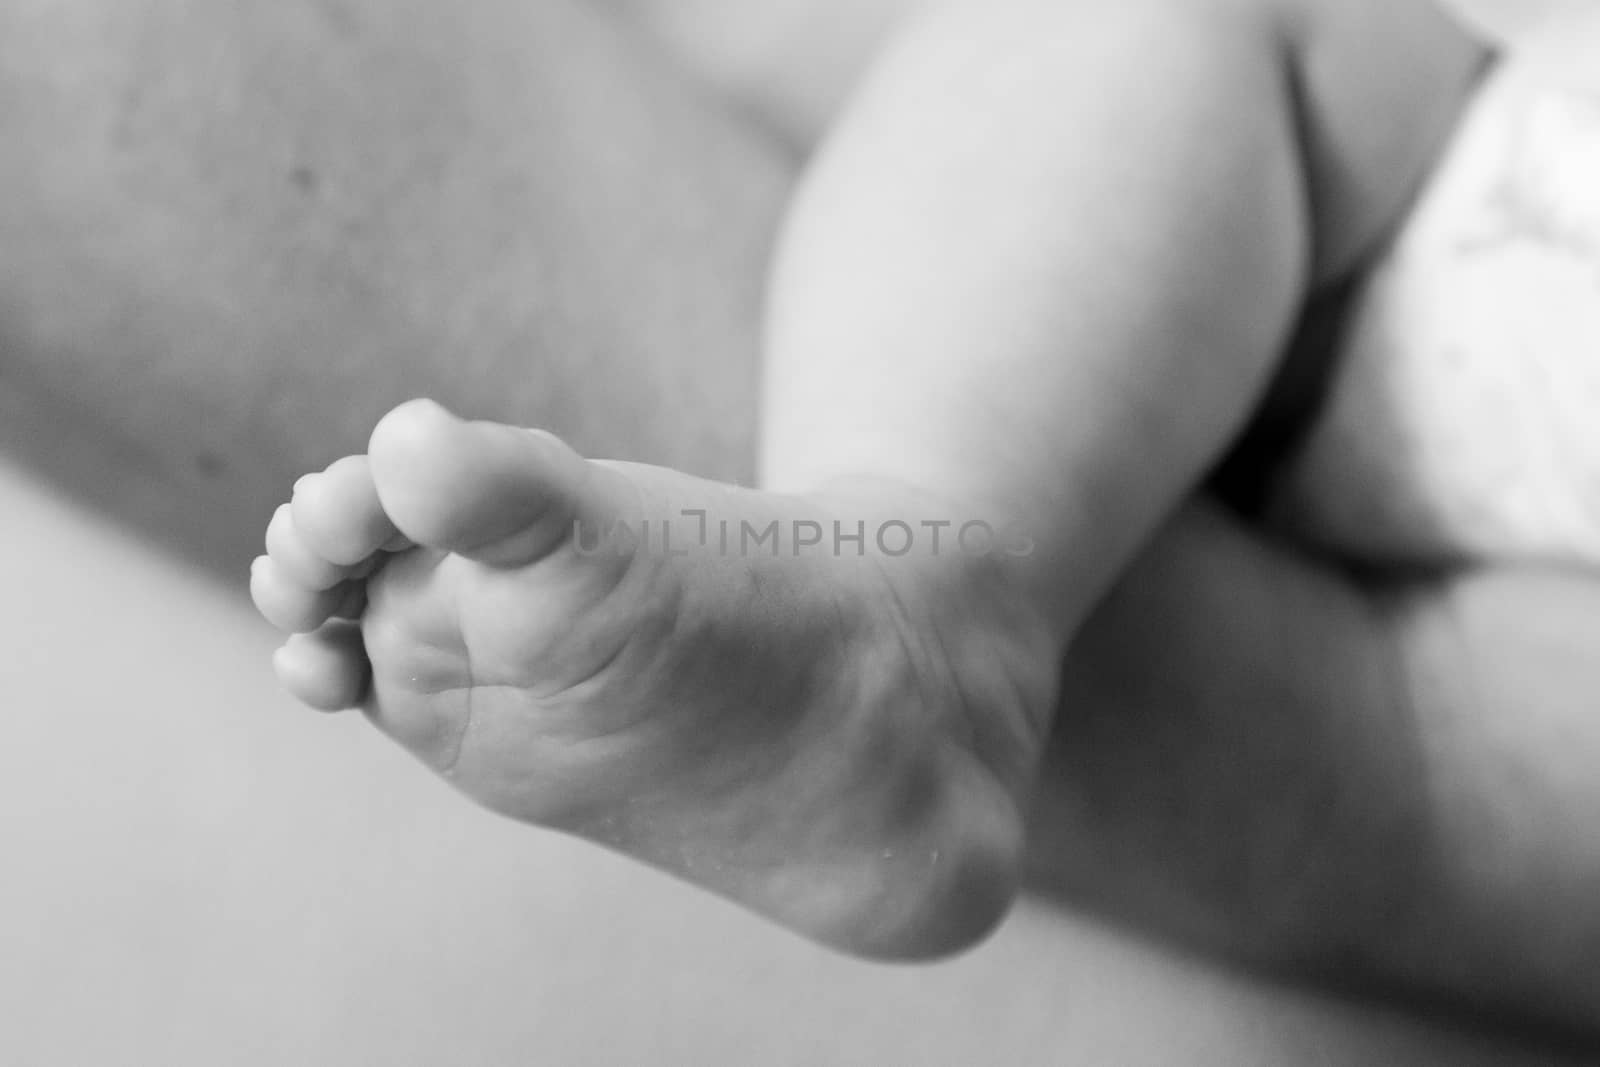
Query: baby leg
(844, 737)
(218, 217)
(1035, 282)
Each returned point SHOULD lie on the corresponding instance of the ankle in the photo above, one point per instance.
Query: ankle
(980, 550)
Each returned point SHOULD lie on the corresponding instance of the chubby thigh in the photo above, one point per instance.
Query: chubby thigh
(233, 235)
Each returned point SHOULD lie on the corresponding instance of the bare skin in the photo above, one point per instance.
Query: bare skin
(241, 214)
(1423, 740)
(778, 726)
(1156, 684)
(865, 729)
(1368, 659)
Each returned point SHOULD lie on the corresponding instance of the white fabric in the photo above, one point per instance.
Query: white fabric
(1461, 421)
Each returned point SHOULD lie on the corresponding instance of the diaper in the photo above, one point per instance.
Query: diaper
(1463, 419)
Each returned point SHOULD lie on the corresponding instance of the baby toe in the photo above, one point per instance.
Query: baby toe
(497, 494)
(337, 513)
(289, 606)
(326, 670)
(295, 559)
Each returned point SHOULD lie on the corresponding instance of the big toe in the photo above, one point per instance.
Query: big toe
(502, 495)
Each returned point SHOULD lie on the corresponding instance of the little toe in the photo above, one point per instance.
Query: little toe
(498, 494)
(292, 607)
(326, 670)
(337, 513)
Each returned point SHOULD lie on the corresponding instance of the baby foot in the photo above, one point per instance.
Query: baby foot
(838, 738)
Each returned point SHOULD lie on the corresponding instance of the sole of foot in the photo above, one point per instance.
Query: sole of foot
(704, 677)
